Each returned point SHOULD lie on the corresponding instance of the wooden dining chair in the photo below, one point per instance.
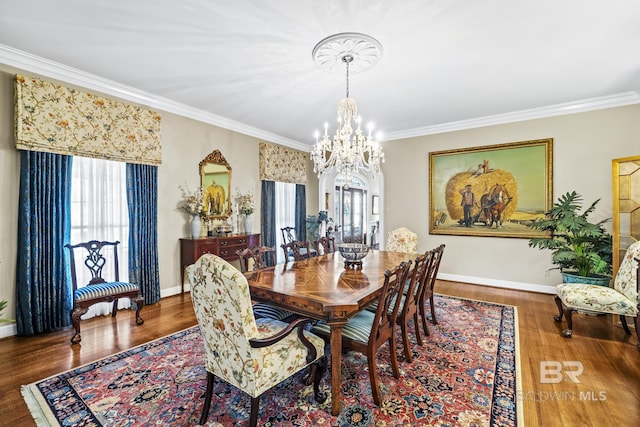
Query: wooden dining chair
(328, 245)
(256, 258)
(253, 355)
(99, 289)
(366, 332)
(410, 300)
(427, 292)
(297, 250)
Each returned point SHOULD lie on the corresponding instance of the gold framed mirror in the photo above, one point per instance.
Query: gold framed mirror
(215, 179)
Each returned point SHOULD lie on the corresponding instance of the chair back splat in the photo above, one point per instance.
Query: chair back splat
(99, 289)
(325, 245)
(251, 354)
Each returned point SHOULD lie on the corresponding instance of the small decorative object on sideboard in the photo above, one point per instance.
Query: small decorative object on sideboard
(225, 228)
(353, 253)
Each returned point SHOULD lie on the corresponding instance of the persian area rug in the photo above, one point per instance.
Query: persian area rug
(466, 374)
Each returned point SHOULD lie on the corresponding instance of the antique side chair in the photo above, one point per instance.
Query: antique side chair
(621, 299)
(402, 240)
(98, 289)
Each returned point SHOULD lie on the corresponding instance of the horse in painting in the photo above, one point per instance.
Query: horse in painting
(493, 204)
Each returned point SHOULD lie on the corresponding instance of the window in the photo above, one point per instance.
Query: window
(99, 212)
(285, 213)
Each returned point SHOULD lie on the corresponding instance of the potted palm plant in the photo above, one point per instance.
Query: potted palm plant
(581, 249)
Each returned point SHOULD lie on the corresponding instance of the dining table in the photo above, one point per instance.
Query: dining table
(325, 288)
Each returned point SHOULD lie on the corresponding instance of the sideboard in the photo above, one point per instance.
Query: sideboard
(225, 246)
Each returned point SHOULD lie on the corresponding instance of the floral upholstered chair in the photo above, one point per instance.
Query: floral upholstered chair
(621, 299)
(402, 240)
(252, 355)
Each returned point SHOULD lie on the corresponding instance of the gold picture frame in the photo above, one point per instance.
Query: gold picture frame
(492, 191)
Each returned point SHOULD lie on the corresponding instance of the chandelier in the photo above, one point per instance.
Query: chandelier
(349, 151)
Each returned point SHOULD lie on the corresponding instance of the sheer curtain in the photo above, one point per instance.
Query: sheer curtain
(285, 201)
(99, 212)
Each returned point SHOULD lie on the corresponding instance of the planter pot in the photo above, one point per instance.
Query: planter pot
(595, 279)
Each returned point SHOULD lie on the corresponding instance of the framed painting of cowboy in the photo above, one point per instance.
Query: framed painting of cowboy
(493, 190)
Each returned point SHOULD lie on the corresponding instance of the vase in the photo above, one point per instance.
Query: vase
(247, 224)
(196, 226)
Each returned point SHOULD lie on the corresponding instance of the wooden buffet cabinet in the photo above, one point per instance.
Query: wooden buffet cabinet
(225, 246)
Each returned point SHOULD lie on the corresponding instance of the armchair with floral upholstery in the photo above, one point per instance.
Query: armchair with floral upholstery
(402, 240)
(621, 299)
(251, 354)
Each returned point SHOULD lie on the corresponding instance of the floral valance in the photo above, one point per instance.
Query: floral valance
(282, 164)
(53, 118)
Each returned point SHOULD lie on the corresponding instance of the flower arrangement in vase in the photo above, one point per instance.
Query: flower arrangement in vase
(246, 206)
(193, 204)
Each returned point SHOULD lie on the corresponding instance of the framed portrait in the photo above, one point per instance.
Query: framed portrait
(375, 205)
(493, 190)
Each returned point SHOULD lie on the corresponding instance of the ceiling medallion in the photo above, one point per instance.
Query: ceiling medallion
(366, 51)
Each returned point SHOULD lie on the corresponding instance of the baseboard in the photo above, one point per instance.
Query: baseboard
(8, 329)
(518, 286)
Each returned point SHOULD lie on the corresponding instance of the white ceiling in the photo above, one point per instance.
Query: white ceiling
(247, 64)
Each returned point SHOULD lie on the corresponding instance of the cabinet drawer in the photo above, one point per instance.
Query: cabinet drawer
(206, 248)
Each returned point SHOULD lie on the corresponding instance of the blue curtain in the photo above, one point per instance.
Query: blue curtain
(268, 210)
(43, 281)
(301, 212)
(142, 201)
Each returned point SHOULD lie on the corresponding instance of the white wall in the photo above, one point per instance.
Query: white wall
(584, 145)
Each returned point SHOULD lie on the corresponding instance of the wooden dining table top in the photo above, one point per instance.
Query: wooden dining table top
(322, 287)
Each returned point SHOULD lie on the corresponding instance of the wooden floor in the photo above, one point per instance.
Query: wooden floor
(608, 393)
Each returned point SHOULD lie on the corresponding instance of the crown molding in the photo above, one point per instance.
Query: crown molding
(19, 61)
(15, 60)
(610, 101)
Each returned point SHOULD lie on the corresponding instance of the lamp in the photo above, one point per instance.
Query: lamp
(349, 151)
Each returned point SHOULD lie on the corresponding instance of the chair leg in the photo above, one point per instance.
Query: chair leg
(558, 318)
(139, 301)
(405, 340)
(114, 309)
(373, 377)
(75, 321)
(394, 357)
(569, 331)
(416, 322)
(423, 314)
(433, 310)
(207, 398)
(637, 322)
(321, 368)
(623, 320)
(255, 409)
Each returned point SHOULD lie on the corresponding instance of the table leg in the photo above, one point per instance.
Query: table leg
(336, 362)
